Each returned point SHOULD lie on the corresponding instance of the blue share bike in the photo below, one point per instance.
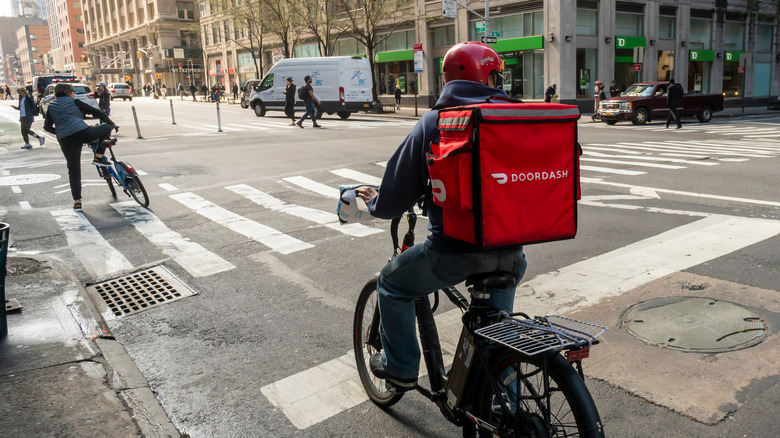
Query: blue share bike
(122, 173)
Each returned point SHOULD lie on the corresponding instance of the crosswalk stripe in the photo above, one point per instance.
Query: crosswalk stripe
(197, 260)
(357, 176)
(321, 392)
(314, 186)
(634, 157)
(732, 146)
(265, 235)
(329, 220)
(682, 148)
(731, 150)
(98, 257)
(611, 170)
(247, 126)
(659, 166)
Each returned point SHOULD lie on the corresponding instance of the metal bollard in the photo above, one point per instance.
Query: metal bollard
(4, 232)
(173, 118)
(219, 118)
(137, 128)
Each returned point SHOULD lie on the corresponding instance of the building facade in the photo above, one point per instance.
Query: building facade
(571, 43)
(66, 29)
(11, 70)
(33, 42)
(141, 42)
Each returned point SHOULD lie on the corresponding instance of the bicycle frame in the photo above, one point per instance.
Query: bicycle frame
(120, 171)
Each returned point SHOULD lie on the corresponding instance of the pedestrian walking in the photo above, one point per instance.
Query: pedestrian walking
(164, 91)
(2, 91)
(673, 95)
(205, 90)
(397, 98)
(235, 91)
(550, 93)
(103, 98)
(193, 90)
(8, 92)
(65, 119)
(598, 95)
(289, 100)
(26, 109)
(308, 101)
(180, 90)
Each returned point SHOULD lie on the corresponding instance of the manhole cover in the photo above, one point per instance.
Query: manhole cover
(694, 324)
(140, 291)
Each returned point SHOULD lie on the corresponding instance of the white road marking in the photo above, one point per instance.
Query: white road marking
(197, 260)
(314, 186)
(140, 172)
(167, 187)
(16, 189)
(25, 205)
(99, 258)
(610, 170)
(267, 236)
(357, 176)
(329, 220)
(636, 157)
(321, 392)
(660, 166)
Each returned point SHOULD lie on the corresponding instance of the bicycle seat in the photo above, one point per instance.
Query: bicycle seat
(109, 142)
(497, 280)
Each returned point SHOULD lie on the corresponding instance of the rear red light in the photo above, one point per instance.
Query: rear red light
(575, 355)
(113, 91)
(91, 95)
(129, 168)
(341, 94)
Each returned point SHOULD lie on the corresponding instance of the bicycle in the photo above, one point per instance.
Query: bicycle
(508, 376)
(121, 173)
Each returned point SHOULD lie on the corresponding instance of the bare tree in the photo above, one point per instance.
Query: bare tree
(370, 22)
(281, 20)
(248, 19)
(319, 18)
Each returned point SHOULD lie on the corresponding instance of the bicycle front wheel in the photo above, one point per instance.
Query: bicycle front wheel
(137, 191)
(567, 410)
(366, 315)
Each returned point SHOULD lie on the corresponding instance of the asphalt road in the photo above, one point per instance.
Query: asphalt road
(263, 348)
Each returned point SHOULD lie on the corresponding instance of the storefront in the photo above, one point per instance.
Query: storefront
(396, 70)
(625, 75)
(524, 66)
(246, 68)
(732, 78)
(665, 65)
(699, 70)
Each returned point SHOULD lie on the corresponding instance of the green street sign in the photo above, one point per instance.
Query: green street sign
(480, 26)
(494, 34)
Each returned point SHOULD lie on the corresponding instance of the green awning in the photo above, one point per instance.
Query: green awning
(622, 42)
(397, 55)
(702, 55)
(731, 56)
(518, 44)
(625, 59)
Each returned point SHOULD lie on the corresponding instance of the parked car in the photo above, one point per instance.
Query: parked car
(731, 92)
(646, 101)
(246, 91)
(83, 93)
(343, 84)
(119, 90)
(773, 103)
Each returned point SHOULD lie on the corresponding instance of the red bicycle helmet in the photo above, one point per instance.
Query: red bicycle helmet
(471, 61)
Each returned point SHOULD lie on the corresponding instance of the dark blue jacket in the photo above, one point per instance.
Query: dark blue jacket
(65, 116)
(29, 108)
(406, 176)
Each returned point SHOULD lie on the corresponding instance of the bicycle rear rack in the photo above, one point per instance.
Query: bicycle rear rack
(543, 333)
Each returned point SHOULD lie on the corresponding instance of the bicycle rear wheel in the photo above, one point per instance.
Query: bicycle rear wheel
(137, 191)
(365, 312)
(571, 409)
(110, 185)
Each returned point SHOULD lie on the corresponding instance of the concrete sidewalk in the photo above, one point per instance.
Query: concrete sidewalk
(61, 371)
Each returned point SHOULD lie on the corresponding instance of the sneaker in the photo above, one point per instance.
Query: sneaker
(27, 146)
(77, 206)
(300, 125)
(102, 161)
(42, 140)
(378, 369)
(317, 126)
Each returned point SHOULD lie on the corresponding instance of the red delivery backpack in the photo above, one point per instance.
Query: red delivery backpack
(507, 173)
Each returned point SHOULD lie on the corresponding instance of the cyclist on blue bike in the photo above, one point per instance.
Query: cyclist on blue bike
(471, 72)
(65, 119)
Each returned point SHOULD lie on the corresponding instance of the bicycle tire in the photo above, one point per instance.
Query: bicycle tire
(137, 191)
(111, 187)
(573, 412)
(364, 314)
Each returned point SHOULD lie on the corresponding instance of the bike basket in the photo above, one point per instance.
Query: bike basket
(543, 333)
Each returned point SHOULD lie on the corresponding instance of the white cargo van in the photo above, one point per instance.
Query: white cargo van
(342, 84)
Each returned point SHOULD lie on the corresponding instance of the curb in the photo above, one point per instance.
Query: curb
(122, 375)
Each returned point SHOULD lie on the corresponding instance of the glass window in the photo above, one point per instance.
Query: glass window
(203, 10)
(666, 28)
(764, 38)
(587, 22)
(185, 10)
(665, 65)
(307, 50)
(443, 36)
(586, 72)
(226, 32)
(538, 23)
(628, 25)
(268, 82)
(762, 78)
(734, 36)
(396, 41)
(700, 34)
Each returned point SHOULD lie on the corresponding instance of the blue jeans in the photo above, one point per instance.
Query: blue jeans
(418, 272)
(309, 104)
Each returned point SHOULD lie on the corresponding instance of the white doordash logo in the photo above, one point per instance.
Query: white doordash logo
(503, 178)
(439, 192)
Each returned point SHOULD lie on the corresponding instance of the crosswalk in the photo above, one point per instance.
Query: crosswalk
(282, 126)
(755, 129)
(635, 158)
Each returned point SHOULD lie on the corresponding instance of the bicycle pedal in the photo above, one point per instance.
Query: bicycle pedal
(398, 389)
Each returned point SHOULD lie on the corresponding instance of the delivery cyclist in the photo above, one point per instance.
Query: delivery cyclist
(471, 73)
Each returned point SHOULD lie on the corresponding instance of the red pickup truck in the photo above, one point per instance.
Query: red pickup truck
(646, 101)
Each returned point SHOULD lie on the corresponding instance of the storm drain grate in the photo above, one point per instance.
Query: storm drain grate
(140, 291)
